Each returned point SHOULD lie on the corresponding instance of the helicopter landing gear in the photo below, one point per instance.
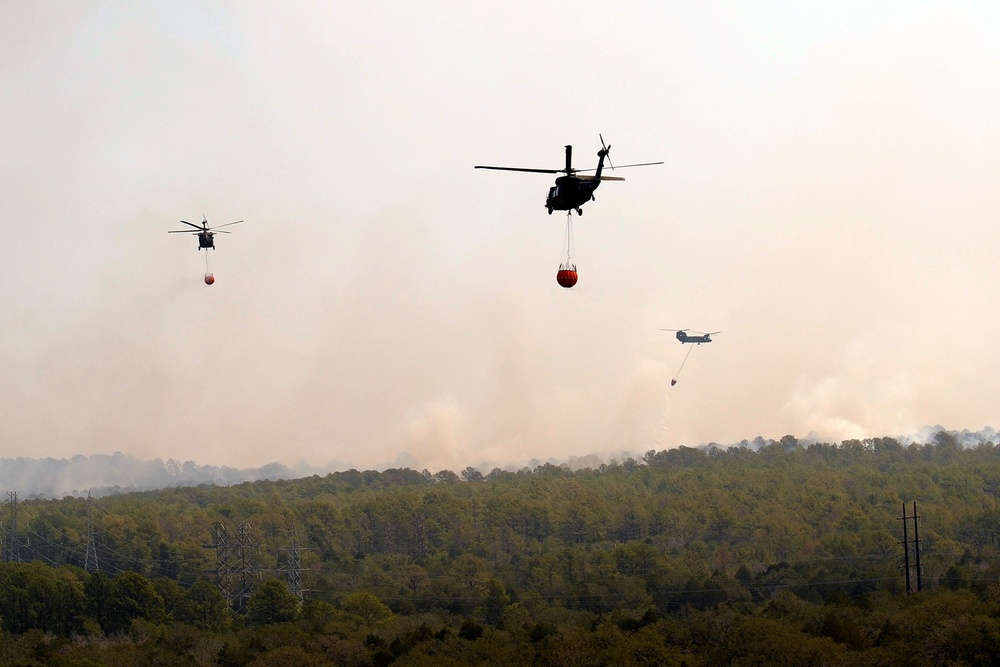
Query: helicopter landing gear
(550, 209)
(579, 211)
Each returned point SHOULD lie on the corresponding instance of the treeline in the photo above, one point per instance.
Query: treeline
(669, 558)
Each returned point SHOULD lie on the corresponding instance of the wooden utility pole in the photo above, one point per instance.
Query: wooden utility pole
(906, 548)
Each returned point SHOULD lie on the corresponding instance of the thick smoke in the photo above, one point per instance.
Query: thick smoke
(386, 304)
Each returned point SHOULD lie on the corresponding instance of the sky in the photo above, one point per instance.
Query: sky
(827, 201)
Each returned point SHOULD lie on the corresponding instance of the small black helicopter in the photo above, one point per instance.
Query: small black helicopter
(698, 339)
(572, 191)
(205, 233)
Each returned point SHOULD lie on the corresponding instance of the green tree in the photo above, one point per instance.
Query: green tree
(97, 593)
(133, 596)
(272, 603)
(367, 606)
(206, 608)
(495, 601)
(35, 596)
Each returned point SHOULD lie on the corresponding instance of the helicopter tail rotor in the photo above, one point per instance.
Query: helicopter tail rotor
(607, 151)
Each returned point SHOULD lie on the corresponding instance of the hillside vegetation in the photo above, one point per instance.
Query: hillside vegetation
(787, 555)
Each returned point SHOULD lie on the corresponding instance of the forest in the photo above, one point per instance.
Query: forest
(786, 554)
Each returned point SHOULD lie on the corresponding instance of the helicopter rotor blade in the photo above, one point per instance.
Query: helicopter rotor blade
(603, 178)
(639, 164)
(226, 225)
(674, 329)
(222, 232)
(184, 231)
(534, 171)
(198, 227)
(623, 166)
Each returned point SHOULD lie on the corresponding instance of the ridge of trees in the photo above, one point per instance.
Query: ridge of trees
(705, 556)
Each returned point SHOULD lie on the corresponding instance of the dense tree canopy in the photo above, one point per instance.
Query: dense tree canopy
(778, 554)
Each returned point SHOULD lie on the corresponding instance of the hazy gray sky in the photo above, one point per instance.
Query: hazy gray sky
(828, 200)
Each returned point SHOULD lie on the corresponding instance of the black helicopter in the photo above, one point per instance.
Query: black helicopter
(702, 337)
(205, 233)
(572, 191)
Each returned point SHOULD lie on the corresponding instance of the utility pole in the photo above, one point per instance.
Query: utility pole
(916, 544)
(906, 547)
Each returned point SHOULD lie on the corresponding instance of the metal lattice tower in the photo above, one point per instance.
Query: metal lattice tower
(223, 563)
(246, 573)
(293, 568)
(90, 562)
(13, 553)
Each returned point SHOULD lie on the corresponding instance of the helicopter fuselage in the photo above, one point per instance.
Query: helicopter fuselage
(570, 193)
(684, 338)
(206, 240)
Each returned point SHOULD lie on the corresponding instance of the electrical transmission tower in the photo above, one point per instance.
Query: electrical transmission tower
(90, 563)
(244, 552)
(13, 551)
(906, 547)
(223, 564)
(293, 568)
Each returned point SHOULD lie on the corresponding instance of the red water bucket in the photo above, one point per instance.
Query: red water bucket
(566, 277)
(210, 278)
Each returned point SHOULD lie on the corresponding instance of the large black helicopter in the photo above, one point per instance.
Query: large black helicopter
(205, 233)
(574, 190)
(698, 339)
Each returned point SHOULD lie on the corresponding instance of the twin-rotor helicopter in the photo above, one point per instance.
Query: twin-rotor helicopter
(700, 336)
(683, 336)
(570, 192)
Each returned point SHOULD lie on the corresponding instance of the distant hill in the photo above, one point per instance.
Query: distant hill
(109, 474)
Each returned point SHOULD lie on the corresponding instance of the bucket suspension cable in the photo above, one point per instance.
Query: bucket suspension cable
(209, 276)
(678, 373)
(568, 242)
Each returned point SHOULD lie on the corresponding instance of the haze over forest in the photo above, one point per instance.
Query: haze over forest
(101, 475)
(828, 201)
